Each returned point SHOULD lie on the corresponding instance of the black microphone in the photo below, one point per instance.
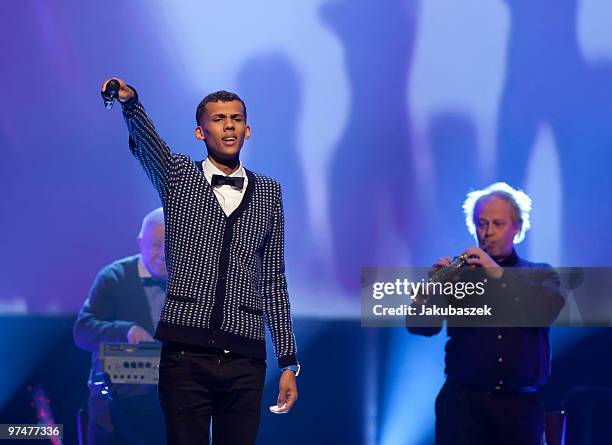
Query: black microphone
(110, 93)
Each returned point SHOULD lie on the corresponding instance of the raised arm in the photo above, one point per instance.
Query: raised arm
(160, 164)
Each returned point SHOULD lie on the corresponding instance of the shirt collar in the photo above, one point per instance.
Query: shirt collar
(210, 170)
(510, 260)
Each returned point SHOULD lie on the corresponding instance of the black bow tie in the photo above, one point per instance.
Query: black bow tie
(234, 181)
(150, 282)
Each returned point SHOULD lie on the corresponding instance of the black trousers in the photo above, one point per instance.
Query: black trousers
(465, 416)
(199, 384)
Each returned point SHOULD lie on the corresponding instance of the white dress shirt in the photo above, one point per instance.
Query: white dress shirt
(229, 197)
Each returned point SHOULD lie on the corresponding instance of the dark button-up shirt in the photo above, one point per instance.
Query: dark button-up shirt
(506, 358)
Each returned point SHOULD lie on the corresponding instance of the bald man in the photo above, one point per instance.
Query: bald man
(124, 305)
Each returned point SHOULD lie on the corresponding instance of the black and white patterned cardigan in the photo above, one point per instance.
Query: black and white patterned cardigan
(226, 274)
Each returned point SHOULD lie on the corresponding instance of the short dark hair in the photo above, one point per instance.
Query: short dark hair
(218, 96)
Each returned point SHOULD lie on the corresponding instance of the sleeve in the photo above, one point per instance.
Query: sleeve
(426, 326)
(531, 296)
(274, 288)
(96, 322)
(426, 331)
(159, 163)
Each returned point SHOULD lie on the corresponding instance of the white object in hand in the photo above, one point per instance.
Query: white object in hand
(275, 409)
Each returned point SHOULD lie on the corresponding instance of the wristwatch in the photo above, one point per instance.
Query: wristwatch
(295, 368)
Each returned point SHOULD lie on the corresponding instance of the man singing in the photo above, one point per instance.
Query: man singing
(493, 374)
(226, 276)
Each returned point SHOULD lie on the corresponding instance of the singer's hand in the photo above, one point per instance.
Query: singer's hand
(125, 92)
(478, 257)
(287, 392)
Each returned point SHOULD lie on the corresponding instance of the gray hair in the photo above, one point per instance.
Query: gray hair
(154, 217)
(520, 202)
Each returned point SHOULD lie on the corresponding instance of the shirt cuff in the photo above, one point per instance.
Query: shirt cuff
(287, 360)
